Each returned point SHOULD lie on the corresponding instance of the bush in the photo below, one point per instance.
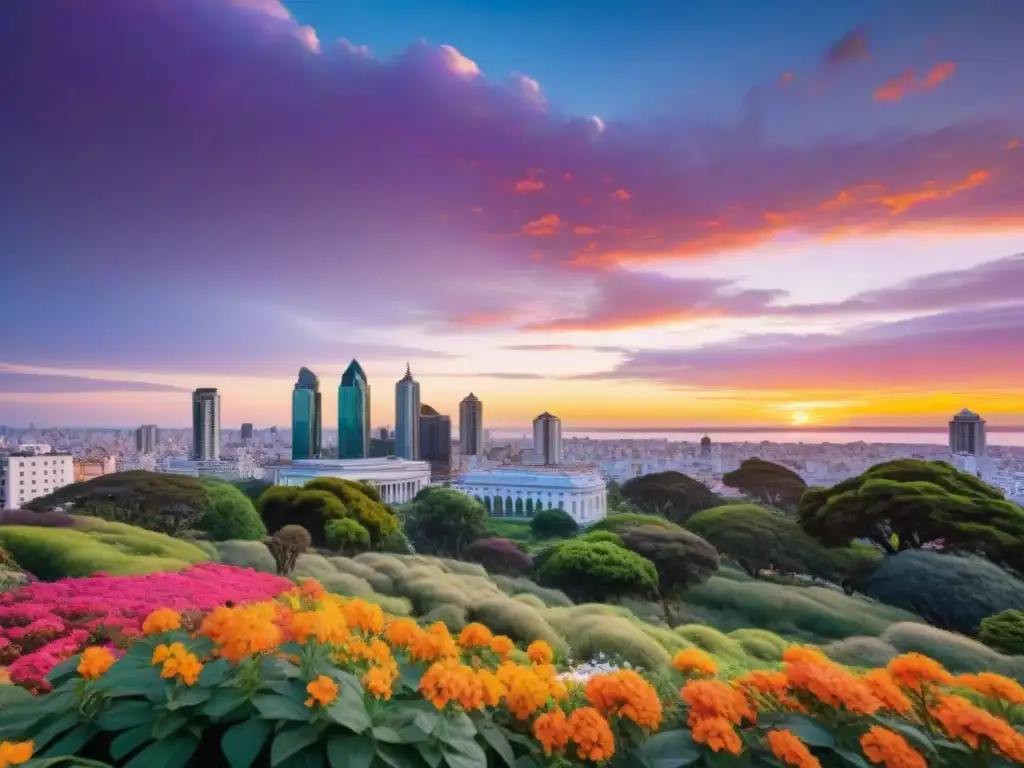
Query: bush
(861, 652)
(670, 494)
(608, 536)
(960, 654)
(396, 543)
(230, 515)
(390, 565)
(286, 545)
(286, 505)
(521, 622)
(453, 616)
(347, 584)
(593, 630)
(51, 519)
(767, 482)
(246, 554)
(598, 571)
(761, 643)
(711, 640)
(518, 586)
(252, 488)
(620, 523)
(1004, 632)
(376, 518)
(380, 582)
(444, 521)
(949, 591)
(348, 536)
(500, 556)
(553, 523)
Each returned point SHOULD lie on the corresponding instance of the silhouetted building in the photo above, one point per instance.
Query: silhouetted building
(354, 413)
(967, 434)
(247, 431)
(705, 446)
(147, 438)
(307, 412)
(471, 426)
(436, 441)
(407, 417)
(547, 438)
(206, 424)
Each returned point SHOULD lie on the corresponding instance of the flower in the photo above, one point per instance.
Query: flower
(994, 686)
(241, 631)
(591, 734)
(379, 680)
(161, 620)
(539, 652)
(321, 691)
(626, 694)
(833, 686)
(502, 646)
(803, 653)
(885, 689)
(709, 699)
(401, 632)
(790, 750)
(324, 626)
(312, 588)
(552, 730)
(367, 617)
(435, 643)
(961, 720)
(15, 752)
(177, 662)
(475, 635)
(764, 688)
(451, 680)
(717, 734)
(525, 690)
(95, 662)
(915, 671)
(695, 660)
(884, 747)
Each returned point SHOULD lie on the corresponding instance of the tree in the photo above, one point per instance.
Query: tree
(553, 523)
(767, 482)
(445, 521)
(285, 505)
(669, 494)
(1004, 632)
(621, 522)
(286, 545)
(230, 514)
(598, 571)
(347, 536)
(375, 517)
(252, 488)
(499, 556)
(682, 559)
(617, 503)
(921, 502)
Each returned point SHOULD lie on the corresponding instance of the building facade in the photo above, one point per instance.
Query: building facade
(87, 469)
(246, 431)
(354, 413)
(206, 424)
(471, 426)
(397, 480)
(27, 475)
(407, 417)
(307, 427)
(967, 434)
(547, 438)
(147, 438)
(436, 441)
(225, 469)
(523, 493)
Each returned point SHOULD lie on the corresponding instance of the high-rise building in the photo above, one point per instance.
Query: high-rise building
(471, 426)
(967, 434)
(206, 424)
(407, 417)
(28, 474)
(705, 446)
(307, 427)
(547, 438)
(354, 413)
(246, 431)
(435, 436)
(147, 438)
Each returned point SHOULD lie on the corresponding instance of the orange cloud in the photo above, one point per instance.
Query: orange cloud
(582, 230)
(526, 186)
(901, 203)
(545, 226)
(937, 75)
(1013, 144)
(897, 88)
(786, 78)
(567, 176)
(621, 194)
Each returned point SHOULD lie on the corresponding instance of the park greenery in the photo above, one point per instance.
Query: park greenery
(767, 482)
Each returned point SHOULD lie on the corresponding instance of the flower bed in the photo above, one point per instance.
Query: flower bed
(44, 623)
(312, 679)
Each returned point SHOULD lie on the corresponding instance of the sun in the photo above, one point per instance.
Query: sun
(799, 418)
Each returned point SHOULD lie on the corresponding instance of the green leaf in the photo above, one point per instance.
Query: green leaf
(349, 712)
(292, 740)
(670, 749)
(215, 673)
(168, 723)
(431, 753)
(274, 706)
(386, 735)
(456, 729)
(140, 681)
(56, 727)
(243, 742)
(811, 733)
(192, 696)
(13, 696)
(912, 734)
(73, 740)
(465, 754)
(497, 741)
(129, 741)
(852, 758)
(527, 762)
(293, 689)
(64, 670)
(398, 756)
(350, 752)
(224, 702)
(174, 752)
(122, 715)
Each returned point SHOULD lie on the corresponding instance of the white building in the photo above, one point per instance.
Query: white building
(522, 493)
(225, 469)
(397, 480)
(547, 438)
(27, 475)
(967, 434)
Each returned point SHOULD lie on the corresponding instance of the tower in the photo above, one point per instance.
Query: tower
(547, 438)
(471, 426)
(967, 434)
(353, 413)
(206, 424)
(407, 417)
(307, 425)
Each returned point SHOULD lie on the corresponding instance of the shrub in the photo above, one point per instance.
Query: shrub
(390, 565)
(286, 505)
(453, 616)
(861, 652)
(531, 600)
(949, 591)
(519, 586)
(761, 643)
(347, 536)
(670, 494)
(553, 523)
(767, 482)
(286, 545)
(50, 519)
(592, 631)
(376, 518)
(230, 515)
(463, 569)
(427, 587)
(619, 523)
(608, 536)
(396, 543)
(252, 488)
(500, 556)
(310, 565)
(958, 653)
(598, 571)
(711, 640)
(396, 606)
(1004, 632)
(521, 622)
(379, 581)
(444, 521)
(347, 584)
(246, 554)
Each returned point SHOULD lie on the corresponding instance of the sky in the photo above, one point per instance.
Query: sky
(645, 214)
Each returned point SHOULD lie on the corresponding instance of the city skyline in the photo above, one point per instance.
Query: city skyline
(705, 214)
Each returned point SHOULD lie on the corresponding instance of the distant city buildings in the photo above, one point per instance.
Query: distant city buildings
(87, 469)
(705, 447)
(471, 426)
(147, 438)
(246, 431)
(206, 424)
(307, 410)
(507, 492)
(967, 434)
(353, 413)
(407, 417)
(397, 480)
(547, 439)
(28, 474)
(436, 441)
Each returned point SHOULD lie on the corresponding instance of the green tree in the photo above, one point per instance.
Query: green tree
(375, 517)
(347, 536)
(229, 514)
(921, 502)
(682, 559)
(670, 494)
(767, 482)
(1004, 632)
(444, 521)
(286, 505)
(252, 487)
(621, 522)
(553, 523)
(598, 571)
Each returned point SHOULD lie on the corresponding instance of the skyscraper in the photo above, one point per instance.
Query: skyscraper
(353, 413)
(206, 424)
(471, 426)
(547, 438)
(147, 438)
(246, 430)
(407, 417)
(435, 436)
(967, 434)
(307, 424)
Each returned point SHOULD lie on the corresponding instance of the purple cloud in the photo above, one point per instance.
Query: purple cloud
(37, 383)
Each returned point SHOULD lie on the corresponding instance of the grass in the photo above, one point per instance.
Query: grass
(515, 530)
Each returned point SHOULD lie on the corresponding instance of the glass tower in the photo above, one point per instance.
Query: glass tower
(306, 416)
(354, 413)
(407, 417)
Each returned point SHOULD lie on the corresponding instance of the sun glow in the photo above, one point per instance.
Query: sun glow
(799, 418)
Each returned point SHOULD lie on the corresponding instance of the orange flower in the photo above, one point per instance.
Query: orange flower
(717, 734)
(525, 690)
(591, 734)
(161, 620)
(695, 660)
(502, 646)
(994, 686)
(312, 588)
(433, 644)
(885, 689)
(475, 635)
(539, 652)
(95, 662)
(833, 686)
(321, 691)
(241, 631)
(450, 680)
(766, 688)
(709, 699)
(368, 617)
(790, 750)
(804, 653)
(493, 688)
(915, 671)
(324, 626)
(884, 747)
(626, 694)
(15, 752)
(379, 680)
(401, 632)
(961, 720)
(177, 662)
(552, 730)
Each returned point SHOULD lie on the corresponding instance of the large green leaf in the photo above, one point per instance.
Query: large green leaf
(292, 740)
(64, 670)
(13, 696)
(497, 741)
(224, 702)
(168, 723)
(274, 706)
(215, 672)
(464, 754)
(398, 756)
(810, 732)
(127, 742)
(349, 712)
(190, 697)
(350, 752)
(174, 752)
(849, 757)
(242, 742)
(55, 728)
(431, 753)
(73, 740)
(670, 749)
(124, 714)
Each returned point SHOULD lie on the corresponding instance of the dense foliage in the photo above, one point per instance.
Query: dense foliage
(499, 555)
(347, 536)
(767, 482)
(252, 488)
(1004, 631)
(553, 523)
(444, 521)
(286, 545)
(230, 514)
(598, 571)
(324, 499)
(49, 519)
(669, 494)
(362, 504)
(907, 503)
(619, 523)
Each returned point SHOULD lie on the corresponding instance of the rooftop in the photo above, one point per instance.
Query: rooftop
(533, 476)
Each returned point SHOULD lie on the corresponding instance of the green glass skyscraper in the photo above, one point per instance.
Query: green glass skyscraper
(354, 414)
(307, 423)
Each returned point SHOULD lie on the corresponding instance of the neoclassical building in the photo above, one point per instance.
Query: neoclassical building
(398, 480)
(523, 492)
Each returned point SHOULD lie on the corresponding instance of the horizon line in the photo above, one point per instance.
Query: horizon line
(566, 428)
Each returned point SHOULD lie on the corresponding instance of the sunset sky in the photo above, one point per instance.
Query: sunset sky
(657, 213)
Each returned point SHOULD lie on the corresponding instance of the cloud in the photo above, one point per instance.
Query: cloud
(937, 75)
(526, 186)
(562, 348)
(850, 48)
(31, 383)
(908, 82)
(457, 63)
(544, 226)
(511, 376)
